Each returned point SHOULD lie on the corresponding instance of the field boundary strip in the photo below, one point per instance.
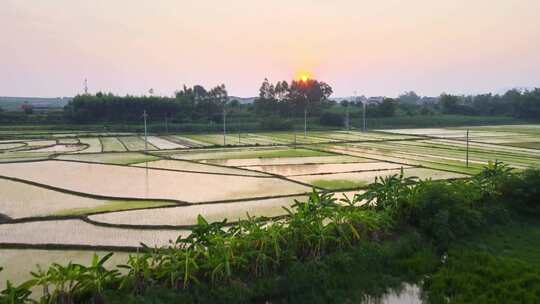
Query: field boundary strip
(22, 145)
(89, 195)
(48, 218)
(100, 143)
(119, 138)
(357, 171)
(64, 247)
(312, 164)
(159, 169)
(171, 227)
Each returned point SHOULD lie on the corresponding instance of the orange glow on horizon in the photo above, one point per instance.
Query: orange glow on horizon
(303, 76)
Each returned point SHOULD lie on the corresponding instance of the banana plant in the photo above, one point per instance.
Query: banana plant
(42, 278)
(490, 179)
(68, 281)
(97, 277)
(203, 232)
(387, 193)
(16, 294)
(139, 273)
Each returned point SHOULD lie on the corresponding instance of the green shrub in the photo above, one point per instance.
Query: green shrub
(522, 192)
(442, 212)
(467, 274)
(331, 119)
(276, 124)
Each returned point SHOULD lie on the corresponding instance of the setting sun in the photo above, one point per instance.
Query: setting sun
(303, 76)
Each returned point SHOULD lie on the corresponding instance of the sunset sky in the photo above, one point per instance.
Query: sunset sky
(380, 47)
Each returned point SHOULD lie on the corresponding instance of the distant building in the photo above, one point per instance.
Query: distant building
(37, 103)
(428, 100)
(375, 99)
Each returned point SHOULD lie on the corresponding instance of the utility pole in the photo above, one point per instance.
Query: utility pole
(467, 153)
(347, 121)
(145, 115)
(364, 128)
(224, 126)
(166, 125)
(305, 122)
(85, 86)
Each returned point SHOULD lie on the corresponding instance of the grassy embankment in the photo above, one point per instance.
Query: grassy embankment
(116, 205)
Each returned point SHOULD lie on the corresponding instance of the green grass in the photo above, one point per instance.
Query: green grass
(253, 153)
(291, 153)
(135, 143)
(111, 144)
(525, 129)
(528, 145)
(336, 184)
(127, 158)
(116, 205)
(431, 121)
(519, 239)
(498, 265)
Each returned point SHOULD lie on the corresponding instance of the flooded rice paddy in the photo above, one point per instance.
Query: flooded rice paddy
(92, 168)
(78, 232)
(162, 143)
(143, 183)
(94, 144)
(187, 215)
(315, 169)
(196, 167)
(24, 200)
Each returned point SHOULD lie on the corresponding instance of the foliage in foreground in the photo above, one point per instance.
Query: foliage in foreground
(466, 276)
(256, 260)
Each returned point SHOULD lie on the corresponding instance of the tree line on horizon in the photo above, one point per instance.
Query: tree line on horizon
(282, 102)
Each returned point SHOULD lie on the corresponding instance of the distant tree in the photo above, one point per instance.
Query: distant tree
(267, 90)
(332, 119)
(482, 104)
(308, 94)
(234, 103)
(449, 103)
(266, 103)
(281, 90)
(409, 98)
(387, 107)
(527, 105)
(425, 110)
